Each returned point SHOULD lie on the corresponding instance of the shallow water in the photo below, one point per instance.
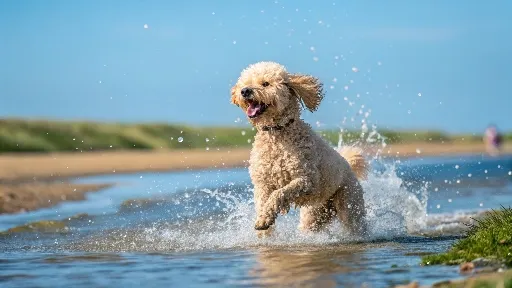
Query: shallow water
(195, 229)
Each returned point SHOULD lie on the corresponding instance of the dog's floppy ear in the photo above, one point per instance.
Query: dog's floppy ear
(308, 89)
(234, 96)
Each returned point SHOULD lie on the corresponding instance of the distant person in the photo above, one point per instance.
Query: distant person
(492, 140)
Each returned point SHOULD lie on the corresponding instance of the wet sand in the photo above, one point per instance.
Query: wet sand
(32, 181)
(23, 197)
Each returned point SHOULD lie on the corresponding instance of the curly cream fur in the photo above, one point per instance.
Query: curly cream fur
(290, 164)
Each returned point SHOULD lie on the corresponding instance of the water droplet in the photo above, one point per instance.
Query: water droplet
(180, 139)
(315, 58)
(481, 204)
(207, 140)
(243, 132)
(438, 206)
(509, 172)
(354, 69)
(312, 48)
(419, 94)
(469, 175)
(73, 139)
(456, 166)
(450, 200)
(418, 151)
(234, 42)
(346, 87)
(146, 26)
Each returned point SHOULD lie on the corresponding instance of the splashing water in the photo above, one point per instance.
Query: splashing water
(223, 217)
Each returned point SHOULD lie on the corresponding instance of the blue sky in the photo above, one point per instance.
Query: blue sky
(95, 60)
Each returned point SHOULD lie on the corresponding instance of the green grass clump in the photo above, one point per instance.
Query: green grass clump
(490, 237)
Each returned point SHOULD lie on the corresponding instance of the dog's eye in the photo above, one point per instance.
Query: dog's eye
(265, 84)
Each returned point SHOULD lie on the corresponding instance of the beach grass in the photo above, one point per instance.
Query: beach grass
(489, 238)
(23, 135)
(52, 136)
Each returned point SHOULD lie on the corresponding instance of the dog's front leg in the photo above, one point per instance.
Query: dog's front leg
(280, 200)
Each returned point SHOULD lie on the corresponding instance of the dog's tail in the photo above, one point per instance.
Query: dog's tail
(356, 160)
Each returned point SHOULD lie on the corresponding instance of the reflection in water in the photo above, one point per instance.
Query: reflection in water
(316, 267)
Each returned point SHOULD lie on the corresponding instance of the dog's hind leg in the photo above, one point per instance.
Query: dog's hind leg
(349, 204)
(314, 218)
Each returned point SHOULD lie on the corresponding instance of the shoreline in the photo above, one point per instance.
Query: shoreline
(32, 181)
(26, 167)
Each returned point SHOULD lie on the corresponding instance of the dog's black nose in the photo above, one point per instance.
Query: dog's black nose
(246, 92)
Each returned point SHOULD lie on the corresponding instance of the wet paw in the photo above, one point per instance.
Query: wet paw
(263, 223)
(264, 233)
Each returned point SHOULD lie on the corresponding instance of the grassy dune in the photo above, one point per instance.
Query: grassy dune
(50, 136)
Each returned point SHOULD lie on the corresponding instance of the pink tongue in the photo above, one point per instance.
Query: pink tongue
(253, 109)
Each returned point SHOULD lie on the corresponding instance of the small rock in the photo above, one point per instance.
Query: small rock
(466, 267)
(485, 270)
(410, 285)
(485, 262)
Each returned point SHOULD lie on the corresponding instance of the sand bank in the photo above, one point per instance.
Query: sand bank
(29, 181)
(23, 197)
(37, 167)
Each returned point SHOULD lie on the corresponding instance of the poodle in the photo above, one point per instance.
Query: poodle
(290, 164)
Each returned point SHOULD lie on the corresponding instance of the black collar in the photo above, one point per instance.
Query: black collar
(277, 127)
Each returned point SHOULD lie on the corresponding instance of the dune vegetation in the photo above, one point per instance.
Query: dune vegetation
(17, 135)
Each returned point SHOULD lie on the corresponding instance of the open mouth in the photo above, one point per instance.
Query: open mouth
(255, 108)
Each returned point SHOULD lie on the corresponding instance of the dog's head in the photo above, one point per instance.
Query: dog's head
(268, 94)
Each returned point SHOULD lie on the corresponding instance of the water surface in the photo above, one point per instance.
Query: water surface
(195, 229)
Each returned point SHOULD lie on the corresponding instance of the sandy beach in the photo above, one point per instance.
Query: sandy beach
(33, 181)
